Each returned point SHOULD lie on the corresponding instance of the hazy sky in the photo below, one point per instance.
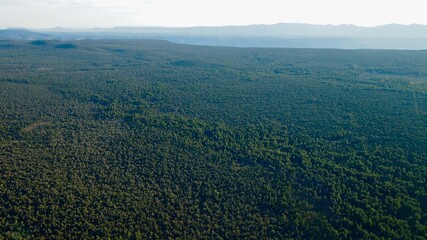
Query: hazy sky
(108, 13)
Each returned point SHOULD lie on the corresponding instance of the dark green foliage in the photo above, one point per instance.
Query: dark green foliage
(147, 139)
(38, 43)
(66, 46)
(183, 63)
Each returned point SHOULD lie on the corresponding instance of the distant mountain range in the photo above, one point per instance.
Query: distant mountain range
(21, 34)
(293, 30)
(295, 35)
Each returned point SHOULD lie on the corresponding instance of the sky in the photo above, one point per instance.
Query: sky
(183, 13)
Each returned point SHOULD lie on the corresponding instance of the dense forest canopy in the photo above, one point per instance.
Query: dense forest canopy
(149, 139)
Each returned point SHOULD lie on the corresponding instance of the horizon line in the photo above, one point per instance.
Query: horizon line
(205, 26)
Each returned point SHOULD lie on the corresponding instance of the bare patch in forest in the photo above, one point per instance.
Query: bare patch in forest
(33, 126)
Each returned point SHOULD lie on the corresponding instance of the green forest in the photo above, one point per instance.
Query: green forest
(146, 139)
